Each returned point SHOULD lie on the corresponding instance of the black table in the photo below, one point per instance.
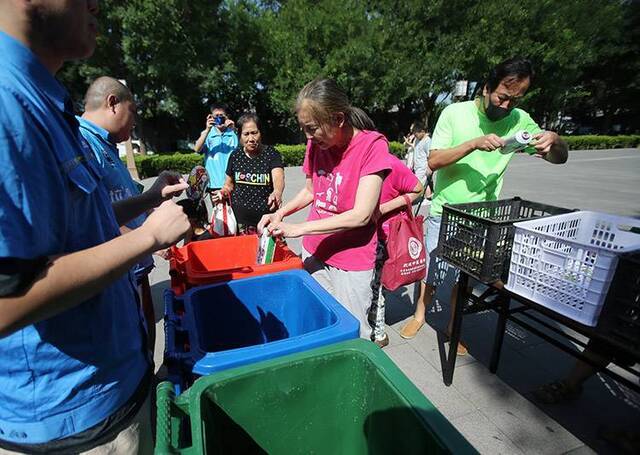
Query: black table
(523, 313)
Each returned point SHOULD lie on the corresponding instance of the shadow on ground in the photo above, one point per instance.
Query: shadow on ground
(527, 362)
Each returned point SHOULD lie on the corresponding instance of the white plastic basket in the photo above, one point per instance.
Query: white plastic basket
(566, 262)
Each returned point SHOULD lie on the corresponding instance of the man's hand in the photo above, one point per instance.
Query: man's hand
(229, 124)
(488, 143)
(210, 122)
(274, 200)
(543, 142)
(166, 225)
(168, 184)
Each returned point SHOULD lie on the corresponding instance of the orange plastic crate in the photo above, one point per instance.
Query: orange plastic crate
(224, 259)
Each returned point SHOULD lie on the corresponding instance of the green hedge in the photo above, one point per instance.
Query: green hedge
(293, 155)
(397, 149)
(150, 166)
(602, 142)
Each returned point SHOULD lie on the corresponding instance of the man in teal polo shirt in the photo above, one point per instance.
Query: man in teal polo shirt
(217, 141)
(465, 154)
(75, 373)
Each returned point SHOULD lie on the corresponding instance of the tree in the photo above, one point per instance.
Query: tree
(176, 56)
(397, 60)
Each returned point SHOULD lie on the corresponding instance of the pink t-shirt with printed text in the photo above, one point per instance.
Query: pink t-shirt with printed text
(335, 178)
(400, 180)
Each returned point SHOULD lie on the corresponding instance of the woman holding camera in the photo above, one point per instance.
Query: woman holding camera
(254, 177)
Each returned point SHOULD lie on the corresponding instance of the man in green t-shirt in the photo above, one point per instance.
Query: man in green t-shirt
(465, 153)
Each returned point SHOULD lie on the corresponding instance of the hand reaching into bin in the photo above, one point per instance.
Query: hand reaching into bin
(274, 225)
(269, 219)
(286, 230)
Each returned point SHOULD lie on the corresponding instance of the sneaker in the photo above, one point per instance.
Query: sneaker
(411, 329)
(382, 343)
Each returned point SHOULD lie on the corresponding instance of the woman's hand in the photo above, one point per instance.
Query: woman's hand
(286, 230)
(219, 196)
(268, 220)
(274, 200)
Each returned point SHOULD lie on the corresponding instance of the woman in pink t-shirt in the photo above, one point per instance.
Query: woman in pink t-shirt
(345, 164)
(400, 182)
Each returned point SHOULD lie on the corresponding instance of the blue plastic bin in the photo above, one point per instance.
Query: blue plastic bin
(221, 326)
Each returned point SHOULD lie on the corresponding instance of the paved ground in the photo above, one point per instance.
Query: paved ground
(495, 412)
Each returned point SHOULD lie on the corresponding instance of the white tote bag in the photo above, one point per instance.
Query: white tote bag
(223, 222)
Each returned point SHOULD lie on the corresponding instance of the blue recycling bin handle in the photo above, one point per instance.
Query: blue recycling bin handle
(170, 330)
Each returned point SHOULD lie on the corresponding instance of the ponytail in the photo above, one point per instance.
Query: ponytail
(359, 119)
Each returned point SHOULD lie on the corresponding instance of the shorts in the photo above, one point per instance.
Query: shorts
(439, 271)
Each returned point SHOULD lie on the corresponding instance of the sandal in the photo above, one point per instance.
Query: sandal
(411, 328)
(557, 392)
(462, 349)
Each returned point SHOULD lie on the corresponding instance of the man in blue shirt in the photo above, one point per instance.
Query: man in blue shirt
(217, 141)
(109, 117)
(74, 368)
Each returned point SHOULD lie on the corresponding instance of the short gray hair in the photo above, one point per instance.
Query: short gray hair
(101, 88)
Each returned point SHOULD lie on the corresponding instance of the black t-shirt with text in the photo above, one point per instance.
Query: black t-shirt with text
(253, 183)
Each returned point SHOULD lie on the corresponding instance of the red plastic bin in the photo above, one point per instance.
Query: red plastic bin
(224, 259)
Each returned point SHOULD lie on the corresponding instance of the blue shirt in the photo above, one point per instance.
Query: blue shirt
(217, 149)
(115, 177)
(65, 374)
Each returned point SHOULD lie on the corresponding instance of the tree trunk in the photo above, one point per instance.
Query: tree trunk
(131, 163)
(140, 131)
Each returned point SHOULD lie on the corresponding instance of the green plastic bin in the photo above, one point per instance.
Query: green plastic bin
(346, 398)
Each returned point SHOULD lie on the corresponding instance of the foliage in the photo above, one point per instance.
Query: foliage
(152, 165)
(397, 149)
(292, 155)
(594, 142)
(397, 60)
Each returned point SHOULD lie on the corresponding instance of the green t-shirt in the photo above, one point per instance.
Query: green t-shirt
(479, 175)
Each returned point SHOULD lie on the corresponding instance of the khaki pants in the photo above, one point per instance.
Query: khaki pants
(136, 439)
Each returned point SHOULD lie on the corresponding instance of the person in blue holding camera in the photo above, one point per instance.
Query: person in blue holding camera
(217, 141)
